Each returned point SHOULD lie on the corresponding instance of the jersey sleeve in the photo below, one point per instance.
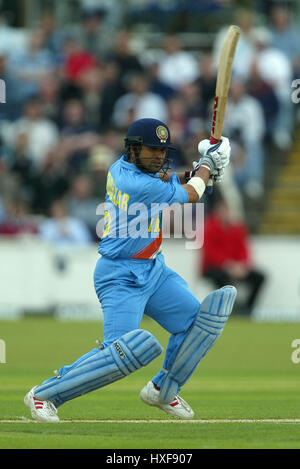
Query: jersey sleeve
(157, 191)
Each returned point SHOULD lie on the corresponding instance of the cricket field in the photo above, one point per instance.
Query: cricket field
(245, 392)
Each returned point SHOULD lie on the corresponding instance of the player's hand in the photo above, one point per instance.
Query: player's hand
(216, 175)
(216, 156)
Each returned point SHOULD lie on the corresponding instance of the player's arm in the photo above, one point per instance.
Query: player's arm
(215, 158)
(181, 176)
(196, 187)
(203, 172)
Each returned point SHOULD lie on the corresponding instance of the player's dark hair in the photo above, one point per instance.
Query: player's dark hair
(134, 143)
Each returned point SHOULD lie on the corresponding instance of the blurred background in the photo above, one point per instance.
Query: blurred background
(77, 73)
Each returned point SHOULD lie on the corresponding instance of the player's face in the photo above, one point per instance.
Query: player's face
(152, 158)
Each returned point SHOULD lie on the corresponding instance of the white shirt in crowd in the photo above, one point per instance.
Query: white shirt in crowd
(240, 114)
(149, 104)
(178, 69)
(42, 136)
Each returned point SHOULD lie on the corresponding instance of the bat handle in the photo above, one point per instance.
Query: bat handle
(209, 187)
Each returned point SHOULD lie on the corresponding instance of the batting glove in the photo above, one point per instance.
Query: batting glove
(216, 175)
(216, 156)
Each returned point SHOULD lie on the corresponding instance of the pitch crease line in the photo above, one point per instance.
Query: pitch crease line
(201, 421)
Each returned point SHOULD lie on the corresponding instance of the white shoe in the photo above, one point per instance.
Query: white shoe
(177, 408)
(42, 411)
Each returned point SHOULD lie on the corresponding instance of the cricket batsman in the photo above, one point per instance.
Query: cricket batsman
(131, 279)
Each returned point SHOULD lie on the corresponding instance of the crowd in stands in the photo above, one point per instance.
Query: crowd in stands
(72, 93)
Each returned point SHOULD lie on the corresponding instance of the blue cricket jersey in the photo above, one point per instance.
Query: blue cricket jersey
(133, 211)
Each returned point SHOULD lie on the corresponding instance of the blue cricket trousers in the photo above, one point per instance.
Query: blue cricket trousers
(129, 288)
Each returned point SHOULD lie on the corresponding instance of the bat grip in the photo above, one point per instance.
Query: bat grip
(213, 140)
(209, 187)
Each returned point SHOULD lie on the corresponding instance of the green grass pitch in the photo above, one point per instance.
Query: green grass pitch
(245, 393)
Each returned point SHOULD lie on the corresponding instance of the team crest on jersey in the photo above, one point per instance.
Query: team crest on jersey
(162, 133)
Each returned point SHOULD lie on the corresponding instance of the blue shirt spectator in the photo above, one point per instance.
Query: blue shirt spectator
(32, 65)
(62, 229)
(285, 35)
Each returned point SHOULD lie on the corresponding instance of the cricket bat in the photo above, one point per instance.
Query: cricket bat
(222, 87)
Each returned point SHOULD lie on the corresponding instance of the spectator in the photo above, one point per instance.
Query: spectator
(2, 211)
(76, 60)
(17, 220)
(195, 109)
(207, 81)
(230, 193)
(225, 258)
(241, 110)
(91, 84)
(82, 204)
(51, 182)
(11, 109)
(9, 186)
(53, 37)
(42, 134)
(22, 167)
(63, 229)
(92, 34)
(157, 85)
(114, 12)
(11, 38)
(177, 67)
(50, 98)
(245, 49)
(32, 65)
(74, 119)
(122, 54)
(178, 118)
(285, 36)
(178, 125)
(139, 102)
(266, 96)
(77, 135)
(100, 159)
(112, 90)
(275, 69)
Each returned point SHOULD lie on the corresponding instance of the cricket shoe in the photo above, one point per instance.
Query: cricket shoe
(42, 411)
(177, 408)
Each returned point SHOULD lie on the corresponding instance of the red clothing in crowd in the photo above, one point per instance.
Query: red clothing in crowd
(78, 63)
(223, 243)
(14, 228)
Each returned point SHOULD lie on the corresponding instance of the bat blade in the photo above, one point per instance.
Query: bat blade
(222, 87)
